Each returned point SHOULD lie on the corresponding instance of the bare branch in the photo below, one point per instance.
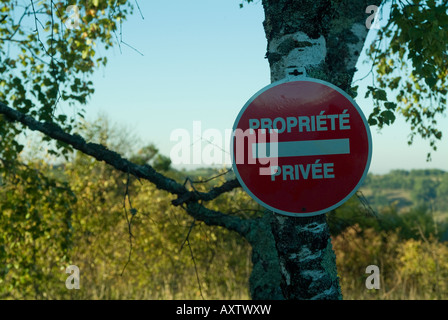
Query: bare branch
(98, 151)
(146, 172)
(212, 194)
(215, 218)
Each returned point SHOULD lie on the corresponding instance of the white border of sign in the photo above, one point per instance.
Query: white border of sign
(294, 214)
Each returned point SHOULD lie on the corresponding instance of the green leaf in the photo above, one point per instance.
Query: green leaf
(372, 121)
(380, 94)
(431, 82)
(390, 105)
(388, 117)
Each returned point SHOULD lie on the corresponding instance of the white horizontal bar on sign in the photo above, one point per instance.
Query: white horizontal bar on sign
(300, 148)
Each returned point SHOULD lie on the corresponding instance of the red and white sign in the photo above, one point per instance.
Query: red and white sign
(301, 148)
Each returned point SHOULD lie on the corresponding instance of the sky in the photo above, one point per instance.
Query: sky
(200, 61)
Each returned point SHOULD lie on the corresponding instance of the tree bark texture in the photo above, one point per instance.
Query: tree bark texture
(307, 261)
(323, 38)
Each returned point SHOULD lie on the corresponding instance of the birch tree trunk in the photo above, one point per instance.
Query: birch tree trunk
(325, 39)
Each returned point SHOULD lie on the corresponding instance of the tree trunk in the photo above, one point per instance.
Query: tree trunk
(265, 279)
(323, 38)
(307, 261)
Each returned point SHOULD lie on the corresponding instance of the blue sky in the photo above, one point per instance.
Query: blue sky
(202, 60)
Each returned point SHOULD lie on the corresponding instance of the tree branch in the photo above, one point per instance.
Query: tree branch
(208, 196)
(95, 150)
(146, 172)
(215, 218)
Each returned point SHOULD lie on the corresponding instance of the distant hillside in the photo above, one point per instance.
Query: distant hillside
(404, 189)
(399, 188)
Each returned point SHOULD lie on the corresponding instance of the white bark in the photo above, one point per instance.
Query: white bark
(304, 53)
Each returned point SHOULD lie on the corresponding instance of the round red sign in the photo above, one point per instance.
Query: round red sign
(301, 148)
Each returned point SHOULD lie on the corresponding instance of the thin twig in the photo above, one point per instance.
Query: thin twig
(188, 235)
(37, 29)
(187, 241)
(139, 10)
(129, 46)
(195, 269)
(129, 221)
(365, 204)
(212, 178)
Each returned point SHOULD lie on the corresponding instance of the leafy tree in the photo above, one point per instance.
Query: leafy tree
(442, 193)
(410, 60)
(42, 65)
(425, 191)
(36, 226)
(413, 268)
(45, 228)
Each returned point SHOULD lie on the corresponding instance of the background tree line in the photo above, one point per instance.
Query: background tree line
(130, 242)
(426, 187)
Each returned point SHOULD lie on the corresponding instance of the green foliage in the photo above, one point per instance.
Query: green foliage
(247, 1)
(127, 238)
(161, 163)
(405, 242)
(43, 63)
(161, 264)
(139, 246)
(413, 66)
(406, 188)
(36, 227)
(414, 222)
(378, 116)
(405, 245)
(145, 154)
(424, 190)
(149, 155)
(409, 268)
(44, 228)
(442, 190)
